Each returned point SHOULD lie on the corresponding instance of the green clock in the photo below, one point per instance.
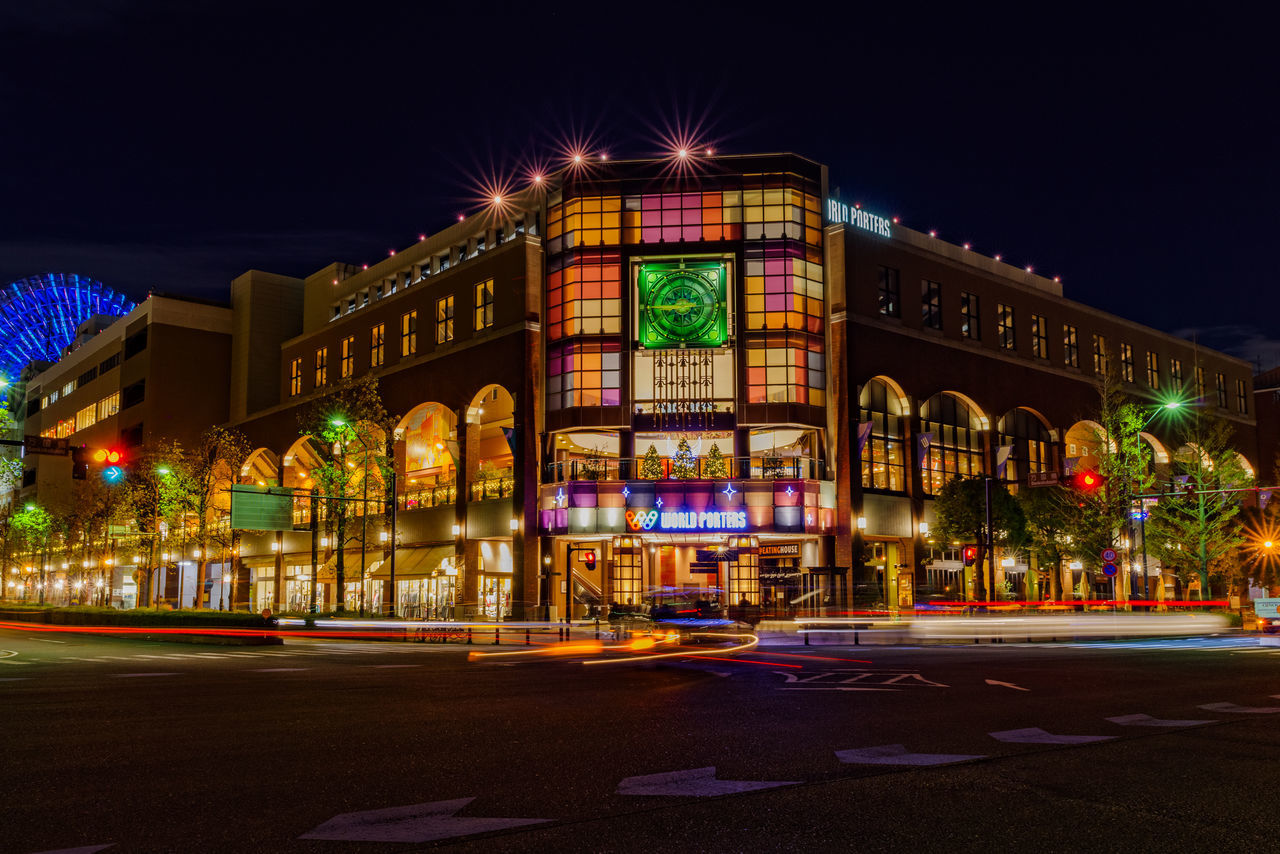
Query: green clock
(683, 305)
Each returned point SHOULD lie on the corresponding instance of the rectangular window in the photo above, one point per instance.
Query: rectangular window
(88, 416)
(378, 345)
(930, 304)
(322, 367)
(1242, 401)
(1126, 363)
(484, 305)
(970, 322)
(444, 320)
(295, 377)
(1006, 332)
(1099, 354)
(109, 405)
(1070, 346)
(1200, 389)
(1039, 337)
(347, 364)
(1175, 374)
(1221, 384)
(135, 343)
(51, 398)
(889, 292)
(408, 334)
(87, 377)
(109, 363)
(1153, 369)
(68, 388)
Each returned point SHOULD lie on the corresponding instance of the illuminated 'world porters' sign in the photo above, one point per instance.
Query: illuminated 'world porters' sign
(858, 218)
(687, 520)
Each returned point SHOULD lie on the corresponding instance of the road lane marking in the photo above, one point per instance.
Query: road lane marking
(1035, 735)
(280, 670)
(46, 640)
(83, 849)
(393, 665)
(413, 823)
(134, 675)
(696, 783)
(1147, 720)
(897, 754)
(1240, 710)
(1006, 685)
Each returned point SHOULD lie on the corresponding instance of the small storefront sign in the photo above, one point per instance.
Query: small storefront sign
(780, 550)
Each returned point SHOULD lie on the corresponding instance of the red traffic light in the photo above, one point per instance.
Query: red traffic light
(970, 555)
(1088, 481)
(589, 560)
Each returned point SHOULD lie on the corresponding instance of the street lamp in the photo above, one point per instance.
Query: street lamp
(1168, 405)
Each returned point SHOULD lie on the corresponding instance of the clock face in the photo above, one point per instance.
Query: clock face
(682, 305)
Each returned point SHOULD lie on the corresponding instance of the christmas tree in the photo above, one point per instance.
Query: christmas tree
(715, 467)
(651, 465)
(772, 465)
(683, 464)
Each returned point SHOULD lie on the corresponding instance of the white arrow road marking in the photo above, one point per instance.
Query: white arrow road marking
(1147, 720)
(896, 754)
(696, 782)
(1240, 710)
(1007, 685)
(1035, 735)
(83, 849)
(412, 823)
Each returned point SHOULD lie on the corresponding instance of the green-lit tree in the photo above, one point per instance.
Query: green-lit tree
(35, 526)
(651, 465)
(683, 464)
(1051, 513)
(1197, 533)
(715, 467)
(961, 508)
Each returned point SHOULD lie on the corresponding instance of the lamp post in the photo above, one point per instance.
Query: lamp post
(1142, 510)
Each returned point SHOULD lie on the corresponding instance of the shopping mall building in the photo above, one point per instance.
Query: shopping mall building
(712, 377)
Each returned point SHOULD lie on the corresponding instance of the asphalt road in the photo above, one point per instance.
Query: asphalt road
(189, 748)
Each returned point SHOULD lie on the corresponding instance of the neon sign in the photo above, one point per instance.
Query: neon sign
(687, 520)
(858, 218)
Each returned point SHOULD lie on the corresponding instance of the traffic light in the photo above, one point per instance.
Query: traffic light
(970, 555)
(79, 462)
(112, 462)
(1088, 481)
(108, 455)
(589, 560)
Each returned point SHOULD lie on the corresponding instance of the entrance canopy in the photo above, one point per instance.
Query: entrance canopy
(417, 563)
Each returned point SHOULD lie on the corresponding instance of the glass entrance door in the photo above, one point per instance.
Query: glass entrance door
(495, 597)
(441, 592)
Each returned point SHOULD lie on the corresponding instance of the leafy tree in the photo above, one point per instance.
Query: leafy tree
(147, 500)
(349, 420)
(962, 515)
(1051, 513)
(34, 525)
(1197, 533)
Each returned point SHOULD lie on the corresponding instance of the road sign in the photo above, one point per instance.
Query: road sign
(1043, 478)
(1108, 555)
(262, 508)
(698, 566)
(46, 445)
(1109, 570)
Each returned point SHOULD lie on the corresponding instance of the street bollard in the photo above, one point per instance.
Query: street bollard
(855, 638)
(527, 642)
(597, 630)
(468, 635)
(806, 636)
(497, 637)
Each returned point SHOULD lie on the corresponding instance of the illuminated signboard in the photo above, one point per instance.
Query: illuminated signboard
(683, 305)
(858, 218)
(687, 520)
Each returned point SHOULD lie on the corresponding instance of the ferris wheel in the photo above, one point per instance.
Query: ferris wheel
(39, 316)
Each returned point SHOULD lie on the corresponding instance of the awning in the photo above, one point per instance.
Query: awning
(350, 565)
(416, 563)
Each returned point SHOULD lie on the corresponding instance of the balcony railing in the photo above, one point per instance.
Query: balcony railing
(485, 489)
(695, 468)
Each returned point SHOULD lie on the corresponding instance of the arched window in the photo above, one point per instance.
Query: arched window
(1032, 445)
(883, 460)
(953, 431)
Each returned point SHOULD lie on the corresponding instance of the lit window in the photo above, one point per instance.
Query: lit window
(954, 446)
(484, 305)
(1099, 354)
(930, 304)
(1126, 363)
(1039, 337)
(444, 320)
(1153, 369)
(1220, 384)
(295, 377)
(1070, 346)
(109, 405)
(1200, 389)
(408, 334)
(322, 367)
(1242, 399)
(347, 365)
(377, 345)
(1175, 374)
(88, 416)
(970, 322)
(787, 374)
(1006, 333)
(883, 455)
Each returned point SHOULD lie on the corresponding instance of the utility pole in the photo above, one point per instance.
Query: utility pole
(315, 546)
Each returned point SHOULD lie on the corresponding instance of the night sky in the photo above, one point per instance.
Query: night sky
(170, 146)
